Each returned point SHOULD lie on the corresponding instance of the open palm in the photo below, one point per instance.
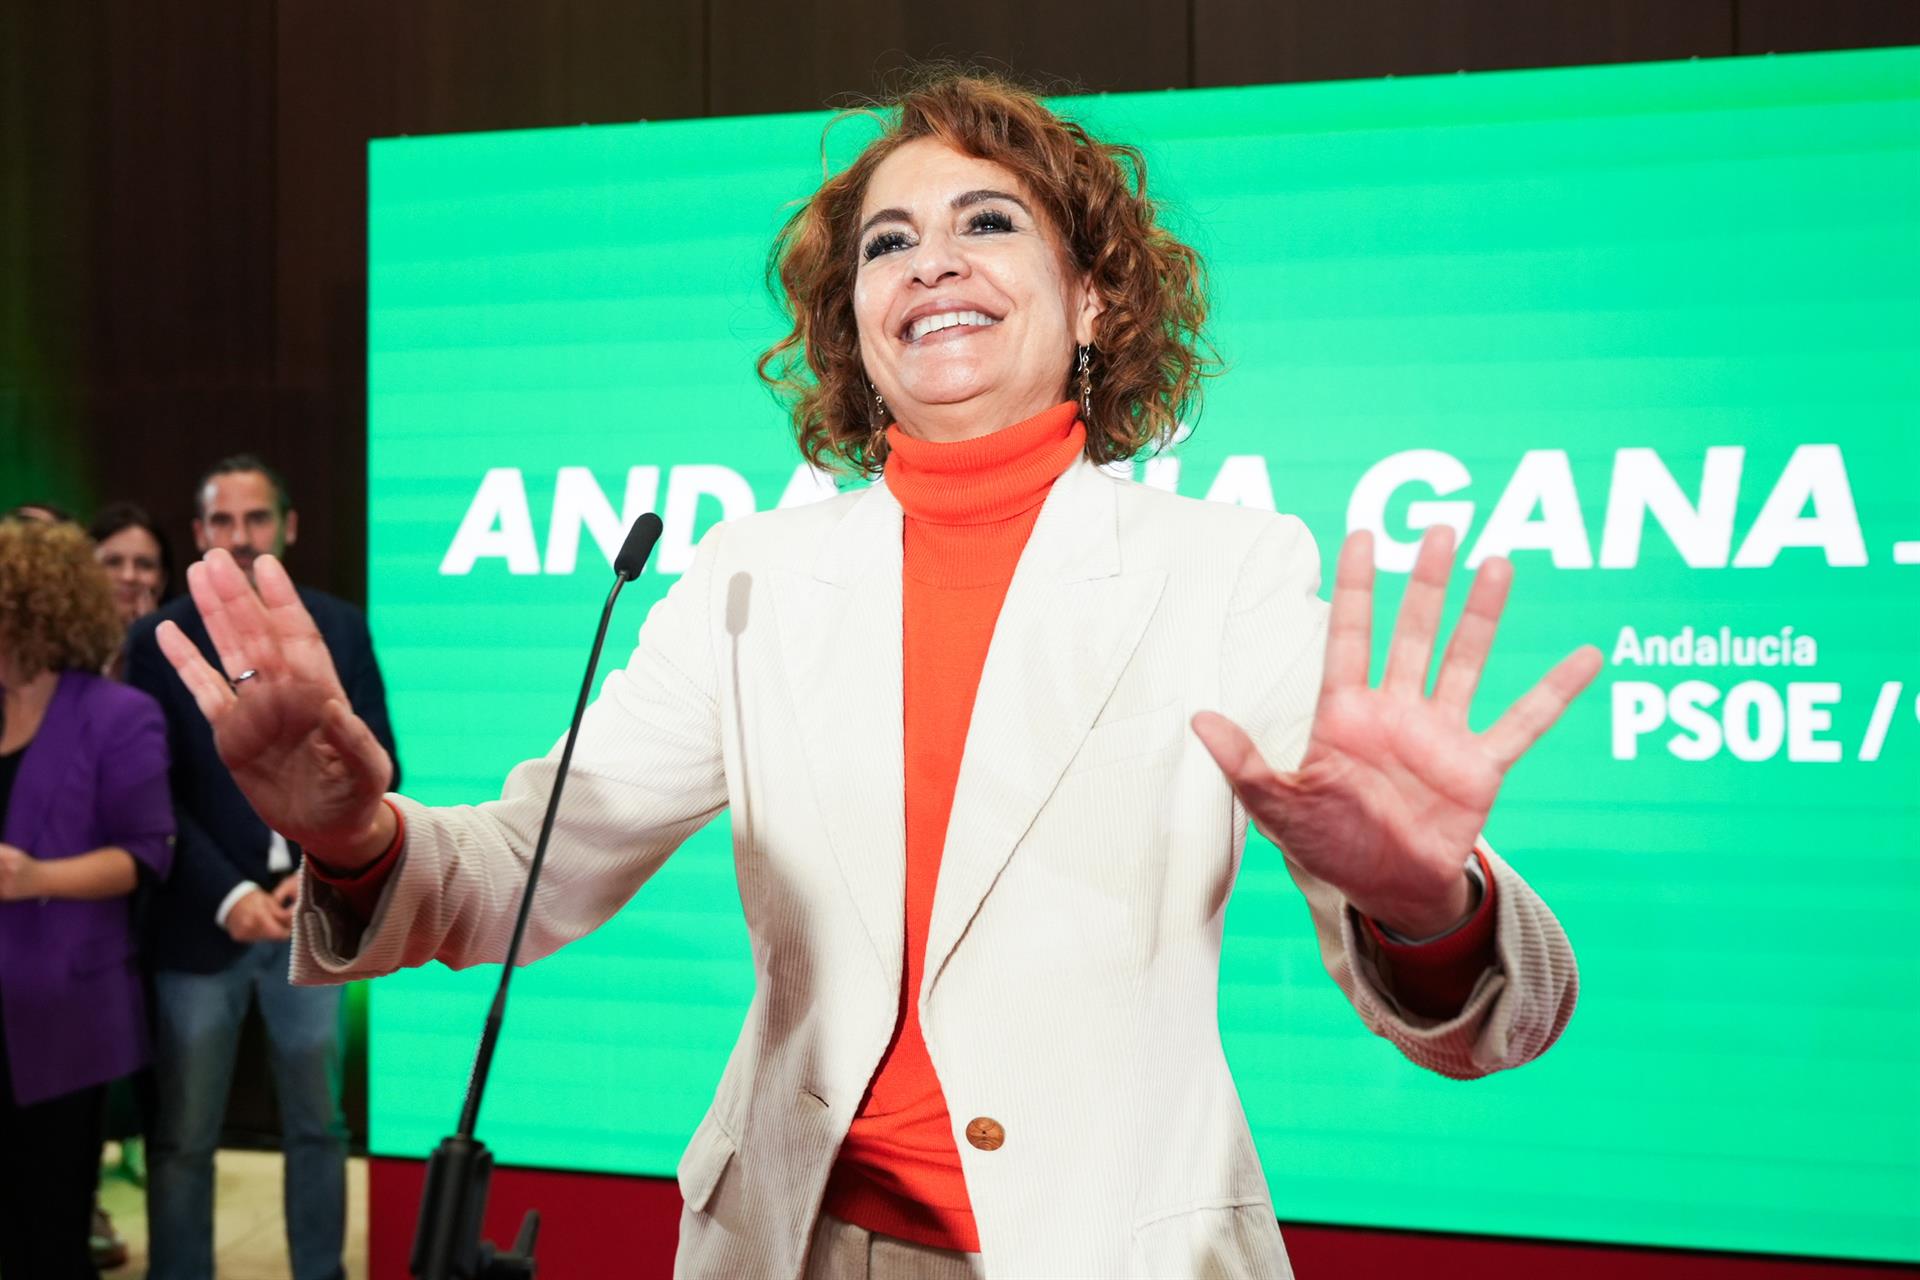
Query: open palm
(312, 769)
(1395, 786)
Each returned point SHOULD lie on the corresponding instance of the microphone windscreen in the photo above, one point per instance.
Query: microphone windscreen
(638, 546)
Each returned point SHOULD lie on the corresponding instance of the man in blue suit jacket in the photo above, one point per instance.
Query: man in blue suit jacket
(221, 929)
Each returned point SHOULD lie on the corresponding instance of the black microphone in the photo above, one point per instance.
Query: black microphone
(447, 1243)
(635, 550)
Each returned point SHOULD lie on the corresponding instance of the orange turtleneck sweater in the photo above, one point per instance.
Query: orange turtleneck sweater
(969, 507)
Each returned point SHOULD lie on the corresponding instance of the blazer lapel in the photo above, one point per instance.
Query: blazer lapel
(839, 637)
(1070, 621)
(39, 779)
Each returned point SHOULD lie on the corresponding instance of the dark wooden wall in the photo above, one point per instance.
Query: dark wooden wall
(182, 185)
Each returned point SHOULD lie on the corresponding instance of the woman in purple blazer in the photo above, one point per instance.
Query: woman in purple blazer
(84, 813)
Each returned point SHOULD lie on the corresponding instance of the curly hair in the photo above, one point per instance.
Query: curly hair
(56, 608)
(1149, 349)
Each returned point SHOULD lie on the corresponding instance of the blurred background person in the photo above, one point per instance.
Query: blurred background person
(40, 513)
(130, 546)
(221, 928)
(138, 558)
(84, 813)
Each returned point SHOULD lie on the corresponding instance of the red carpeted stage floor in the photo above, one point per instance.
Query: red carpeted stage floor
(600, 1225)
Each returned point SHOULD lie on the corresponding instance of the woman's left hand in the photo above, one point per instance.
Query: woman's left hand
(18, 874)
(1394, 787)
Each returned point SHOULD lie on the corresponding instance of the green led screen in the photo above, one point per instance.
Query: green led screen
(1650, 330)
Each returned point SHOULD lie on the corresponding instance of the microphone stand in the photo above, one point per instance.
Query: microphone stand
(446, 1242)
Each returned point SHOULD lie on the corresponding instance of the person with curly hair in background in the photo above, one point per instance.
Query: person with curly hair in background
(85, 813)
(991, 733)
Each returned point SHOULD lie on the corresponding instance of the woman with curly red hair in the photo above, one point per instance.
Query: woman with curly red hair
(984, 864)
(84, 812)
(1145, 290)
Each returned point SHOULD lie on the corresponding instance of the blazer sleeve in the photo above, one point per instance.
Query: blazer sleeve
(136, 803)
(202, 874)
(647, 773)
(1272, 650)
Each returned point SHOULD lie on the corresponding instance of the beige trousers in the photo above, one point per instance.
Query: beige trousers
(842, 1251)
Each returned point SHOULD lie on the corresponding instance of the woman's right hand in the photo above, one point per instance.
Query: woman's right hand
(310, 767)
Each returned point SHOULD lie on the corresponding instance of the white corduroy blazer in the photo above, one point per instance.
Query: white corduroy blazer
(1072, 966)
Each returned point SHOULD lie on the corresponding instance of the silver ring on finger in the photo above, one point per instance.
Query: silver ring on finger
(242, 678)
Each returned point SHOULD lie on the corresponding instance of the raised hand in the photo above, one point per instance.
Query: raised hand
(310, 767)
(1395, 787)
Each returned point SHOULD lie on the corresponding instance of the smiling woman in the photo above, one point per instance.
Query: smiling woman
(982, 219)
(984, 864)
(134, 551)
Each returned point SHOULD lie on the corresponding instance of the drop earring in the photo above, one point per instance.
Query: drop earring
(1086, 384)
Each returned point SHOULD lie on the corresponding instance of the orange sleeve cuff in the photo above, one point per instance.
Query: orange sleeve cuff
(1435, 978)
(359, 891)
